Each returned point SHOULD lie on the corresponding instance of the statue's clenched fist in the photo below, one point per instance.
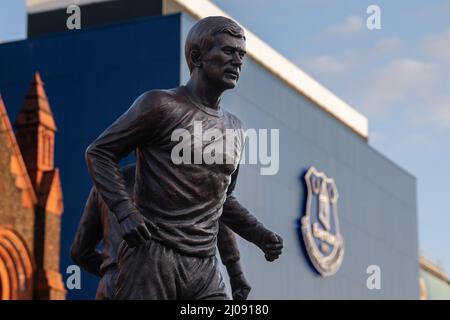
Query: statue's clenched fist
(135, 230)
(272, 246)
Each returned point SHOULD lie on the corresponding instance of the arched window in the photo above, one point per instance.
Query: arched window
(16, 267)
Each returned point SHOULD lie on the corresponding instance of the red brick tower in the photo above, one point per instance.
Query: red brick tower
(36, 138)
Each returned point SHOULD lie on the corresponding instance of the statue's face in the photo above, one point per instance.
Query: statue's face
(223, 62)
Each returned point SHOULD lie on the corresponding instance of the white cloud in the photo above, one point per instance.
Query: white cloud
(395, 84)
(409, 90)
(438, 45)
(389, 45)
(351, 25)
(326, 65)
(392, 81)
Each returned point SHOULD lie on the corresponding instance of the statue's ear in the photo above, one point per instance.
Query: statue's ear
(196, 58)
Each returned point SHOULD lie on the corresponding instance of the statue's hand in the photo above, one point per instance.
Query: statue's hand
(272, 246)
(240, 288)
(134, 230)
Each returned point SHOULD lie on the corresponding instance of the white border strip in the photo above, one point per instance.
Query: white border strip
(280, 66)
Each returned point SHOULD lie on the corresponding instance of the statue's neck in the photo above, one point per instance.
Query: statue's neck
(204, 94)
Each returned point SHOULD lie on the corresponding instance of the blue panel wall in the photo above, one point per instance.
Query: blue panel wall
(91, 77)
(377, 204)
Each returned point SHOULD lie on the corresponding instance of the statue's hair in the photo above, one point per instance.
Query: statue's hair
(201, 35)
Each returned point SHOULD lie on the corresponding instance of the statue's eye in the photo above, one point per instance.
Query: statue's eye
(227, 51)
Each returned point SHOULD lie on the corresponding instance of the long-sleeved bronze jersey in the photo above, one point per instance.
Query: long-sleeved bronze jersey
(185, 200)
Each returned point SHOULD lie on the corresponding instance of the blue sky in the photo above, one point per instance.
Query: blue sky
(399, 77)
(12, 20)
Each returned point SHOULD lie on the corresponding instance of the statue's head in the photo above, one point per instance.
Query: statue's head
(214, 49)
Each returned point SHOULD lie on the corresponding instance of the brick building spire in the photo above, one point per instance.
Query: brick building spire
(36, 138)
(36, 132)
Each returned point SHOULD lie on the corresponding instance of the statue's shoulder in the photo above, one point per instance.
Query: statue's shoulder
(158, 97)
(236, 122)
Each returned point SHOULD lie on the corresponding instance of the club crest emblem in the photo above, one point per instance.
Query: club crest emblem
(320, 224)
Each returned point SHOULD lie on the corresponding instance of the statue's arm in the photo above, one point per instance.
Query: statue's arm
(238, 218)
(88, 236)
(245, 224)
(227, 245)
(116, 142)
(138, 125)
